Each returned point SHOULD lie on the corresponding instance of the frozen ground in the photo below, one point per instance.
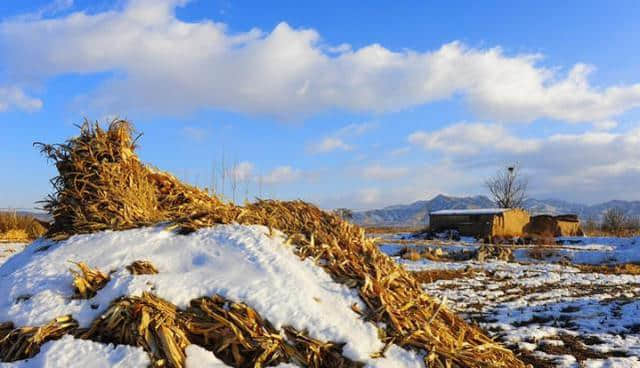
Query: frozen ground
(553, 315)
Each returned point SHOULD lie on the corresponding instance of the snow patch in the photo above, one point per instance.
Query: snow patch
(68, 352)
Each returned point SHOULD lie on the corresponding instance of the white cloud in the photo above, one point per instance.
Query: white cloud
(330, 144)
(354, 130)
(368, 196)
(401, 151)
(336, 140)
(14, 97)
(605, 124)
(384, 173)
(242, 171)
(194, 133)
(169, 65)
(471, 138)
(590, 166)
(281, 174)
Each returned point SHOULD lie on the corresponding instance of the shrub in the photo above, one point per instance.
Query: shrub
(19, 227)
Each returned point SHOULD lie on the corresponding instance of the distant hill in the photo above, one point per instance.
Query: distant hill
(416, 213)
(42, 216)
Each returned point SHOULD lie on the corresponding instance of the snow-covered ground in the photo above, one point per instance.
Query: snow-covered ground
(555, 315)
(581, 250)
(241, 263)
(9, 249)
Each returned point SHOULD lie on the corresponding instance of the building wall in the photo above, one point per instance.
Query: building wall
(555, 226)
(570, 228)
(510, 223)
(467, 225)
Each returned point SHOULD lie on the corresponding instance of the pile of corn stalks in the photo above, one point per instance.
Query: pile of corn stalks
(25, 342)
(102, 185)
(233, 331)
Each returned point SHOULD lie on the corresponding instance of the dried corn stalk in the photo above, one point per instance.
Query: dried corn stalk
(142, 268)
(241, 338)
(146, 321)
(88, 281)
(24, 342)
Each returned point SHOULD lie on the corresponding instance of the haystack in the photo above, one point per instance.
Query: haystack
(102, 185)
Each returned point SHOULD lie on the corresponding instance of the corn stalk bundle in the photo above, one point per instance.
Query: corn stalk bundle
(146, 321)
(25, 342)
(241, 338)
(102, 185)
(233, 331)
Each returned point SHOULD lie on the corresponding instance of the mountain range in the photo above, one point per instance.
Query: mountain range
(417, 213)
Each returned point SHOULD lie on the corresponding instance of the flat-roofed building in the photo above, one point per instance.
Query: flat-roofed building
(482, 222)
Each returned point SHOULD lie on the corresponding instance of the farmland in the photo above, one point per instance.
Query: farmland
(566, 308)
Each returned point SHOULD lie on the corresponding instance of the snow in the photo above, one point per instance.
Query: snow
(9, 249)
(68, 352)
(198, 357)
(241, 263)
(530, 305)
(612, 363)
(475, 211)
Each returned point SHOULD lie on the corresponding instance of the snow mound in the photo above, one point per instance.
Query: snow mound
(240, 263)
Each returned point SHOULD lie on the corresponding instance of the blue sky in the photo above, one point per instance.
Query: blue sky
(338, 104)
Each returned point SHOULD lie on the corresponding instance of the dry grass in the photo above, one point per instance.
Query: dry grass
(620, 269)
(541, 238)
(19, 228)
(429, 276)
(483, 253)
(390, 229)
(415, 254)
(623, 233)
(102, 185)
(541, 253)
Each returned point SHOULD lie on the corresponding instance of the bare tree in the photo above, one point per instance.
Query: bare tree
(223, 174)
(260, 182)
(591, 225)
(214, 178)
(632, 223)
(508, 188)
(247, 182)
(345, 213)
(234, 180)
(614, 220)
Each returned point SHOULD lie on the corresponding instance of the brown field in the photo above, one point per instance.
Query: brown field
(19, 228)
(390, 229)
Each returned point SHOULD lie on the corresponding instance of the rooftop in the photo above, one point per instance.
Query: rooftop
(474, 211)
